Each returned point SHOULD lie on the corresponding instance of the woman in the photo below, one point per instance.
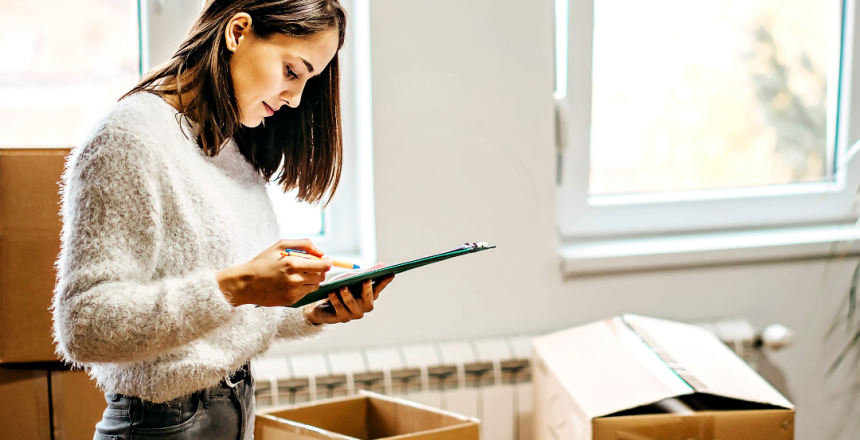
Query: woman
(169, 241)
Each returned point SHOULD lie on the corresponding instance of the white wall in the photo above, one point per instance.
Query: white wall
(463, 151)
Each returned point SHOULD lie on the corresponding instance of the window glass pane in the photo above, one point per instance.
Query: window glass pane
(296, 219)
(63, 64)
(702, 94)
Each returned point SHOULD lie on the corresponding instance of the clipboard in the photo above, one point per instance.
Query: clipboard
(326, 288)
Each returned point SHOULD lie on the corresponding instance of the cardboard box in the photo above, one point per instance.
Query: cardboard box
(77, 403)
(43, 404)
(366, 416)
(24, 404)
(29, 244)
(637, 378)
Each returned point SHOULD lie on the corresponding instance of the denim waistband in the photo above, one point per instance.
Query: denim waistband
(240, 377)
(223, 411)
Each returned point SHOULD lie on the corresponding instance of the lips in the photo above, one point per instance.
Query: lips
(269, 110)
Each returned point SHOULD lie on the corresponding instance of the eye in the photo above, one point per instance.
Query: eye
(290, 74)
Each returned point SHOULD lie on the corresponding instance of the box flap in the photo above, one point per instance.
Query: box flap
(704, 362)
(606, 367)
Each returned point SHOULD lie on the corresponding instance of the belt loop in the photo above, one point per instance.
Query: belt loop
(205, 398)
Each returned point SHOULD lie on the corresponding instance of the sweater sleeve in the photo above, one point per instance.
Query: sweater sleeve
(109, 304)
(294, 326)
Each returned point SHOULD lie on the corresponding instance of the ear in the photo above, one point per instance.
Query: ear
(237, 29)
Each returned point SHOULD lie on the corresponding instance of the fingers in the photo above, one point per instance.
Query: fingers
(299, 264)
(341, 315)
(301, 245)
(325, 311)
(381, 285)
(355, 310)
(313, 277)
(346, 307)
(367, 296)
(306, 279)
(343, 306)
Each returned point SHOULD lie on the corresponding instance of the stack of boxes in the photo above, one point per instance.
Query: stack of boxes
(40, 399)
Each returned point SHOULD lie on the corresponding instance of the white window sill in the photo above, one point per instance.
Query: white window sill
(589, 258)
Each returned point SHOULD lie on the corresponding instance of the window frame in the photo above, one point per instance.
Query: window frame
(348, 220)
(583, 216)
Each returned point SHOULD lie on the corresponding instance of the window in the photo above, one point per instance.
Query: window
(704, 115)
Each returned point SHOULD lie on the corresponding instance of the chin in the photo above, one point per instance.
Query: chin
(252, 124)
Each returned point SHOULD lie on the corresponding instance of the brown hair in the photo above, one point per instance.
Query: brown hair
(304, 145)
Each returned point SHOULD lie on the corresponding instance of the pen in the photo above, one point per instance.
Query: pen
(303, 254)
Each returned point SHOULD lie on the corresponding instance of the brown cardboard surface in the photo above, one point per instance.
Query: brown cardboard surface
(78, 404)
(723, 425)
(392, 419)
(366, 416)
(663, 426)
(268, 427)
(610, 380)
(29, 245)
(351, 414)
(462, 432)
(24, 406)
(271, 428)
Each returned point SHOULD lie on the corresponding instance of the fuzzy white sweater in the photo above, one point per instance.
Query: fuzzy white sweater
(147, 222)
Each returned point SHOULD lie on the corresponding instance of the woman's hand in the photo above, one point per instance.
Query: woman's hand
(343, 306)
(271, 279)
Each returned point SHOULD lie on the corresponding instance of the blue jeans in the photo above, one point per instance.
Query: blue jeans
(225, 412)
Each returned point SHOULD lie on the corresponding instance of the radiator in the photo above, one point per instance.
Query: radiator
(487, 378)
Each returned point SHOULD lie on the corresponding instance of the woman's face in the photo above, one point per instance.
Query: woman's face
(271, 72)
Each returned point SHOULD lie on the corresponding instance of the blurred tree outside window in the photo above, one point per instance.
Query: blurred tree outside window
(707, 94)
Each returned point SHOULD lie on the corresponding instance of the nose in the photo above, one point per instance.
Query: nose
(293, 97)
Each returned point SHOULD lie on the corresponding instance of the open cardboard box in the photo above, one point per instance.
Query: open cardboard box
(365, 416)
(638, 378)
